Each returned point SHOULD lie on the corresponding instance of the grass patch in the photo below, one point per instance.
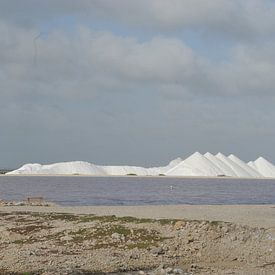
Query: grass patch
(62, 216)
(113, 218)
(215, 223)
(25, 230)
(131, 238)
(4, 214)
(167, 221)
(129, 219)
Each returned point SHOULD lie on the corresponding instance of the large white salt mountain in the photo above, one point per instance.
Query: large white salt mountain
(196, 165)
(74, 167)
(86, 168)
(252, 172)
(30, 168)
(226, 170)
(239, 171)
(263, 166)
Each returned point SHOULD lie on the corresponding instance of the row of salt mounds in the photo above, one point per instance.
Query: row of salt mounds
(263, 167)
(209, 165)
(62, 168)
(206, 165)
(86, 168)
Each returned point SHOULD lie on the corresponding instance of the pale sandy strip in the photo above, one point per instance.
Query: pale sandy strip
(252, 215)
(127, 176)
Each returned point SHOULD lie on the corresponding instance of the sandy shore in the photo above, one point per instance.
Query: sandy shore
(132, 176)
(251, 215)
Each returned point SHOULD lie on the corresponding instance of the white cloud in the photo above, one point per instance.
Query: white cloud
(89, 62)
(86, 63)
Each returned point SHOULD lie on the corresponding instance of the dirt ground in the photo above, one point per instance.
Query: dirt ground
(45, 242)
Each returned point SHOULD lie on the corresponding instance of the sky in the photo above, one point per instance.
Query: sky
(135, 82)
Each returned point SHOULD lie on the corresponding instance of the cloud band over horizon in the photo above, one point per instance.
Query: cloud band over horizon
(135, 83)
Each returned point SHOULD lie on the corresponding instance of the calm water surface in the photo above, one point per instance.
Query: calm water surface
(137, 191)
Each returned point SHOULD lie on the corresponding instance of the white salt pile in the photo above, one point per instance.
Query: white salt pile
(196, 165)
(74, 167)
(263, 167)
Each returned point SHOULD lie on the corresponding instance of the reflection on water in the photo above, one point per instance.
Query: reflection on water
(137, 191)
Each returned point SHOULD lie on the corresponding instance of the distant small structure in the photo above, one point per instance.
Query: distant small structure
(35, 201)
(4, 171)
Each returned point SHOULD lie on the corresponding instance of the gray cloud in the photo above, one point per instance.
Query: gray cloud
(86, 63)
(240, 19)
(106, 97)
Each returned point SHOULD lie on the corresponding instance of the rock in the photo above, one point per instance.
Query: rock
(225, 229)
(118, 237)
(177, 271)
(66, 239)
(169, 270)
(190, 239)
(141, 272)
(134, 255)
(179, 225)
(157, 250)
(160, 271)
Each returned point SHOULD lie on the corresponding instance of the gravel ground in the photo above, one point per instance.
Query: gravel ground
(58, 240)
(252, 215)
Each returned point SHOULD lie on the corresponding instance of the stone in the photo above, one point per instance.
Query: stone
(160, 271)
(157, 250)
(177, 271)
(115, 236)
(118, 237)
(134, 255)
(66, 239)
(179, 225)
(169, 270)
(190, 239)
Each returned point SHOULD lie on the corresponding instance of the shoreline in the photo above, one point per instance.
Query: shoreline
(136, 176)
(251, 215)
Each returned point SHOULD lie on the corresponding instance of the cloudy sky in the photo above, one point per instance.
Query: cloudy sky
(135, 82)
